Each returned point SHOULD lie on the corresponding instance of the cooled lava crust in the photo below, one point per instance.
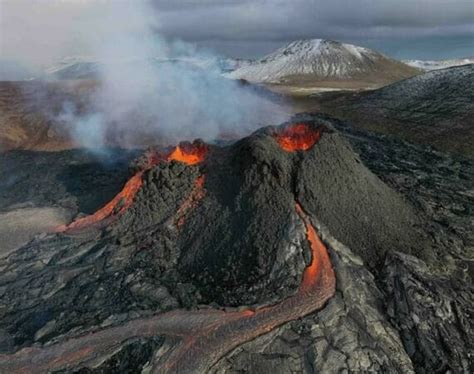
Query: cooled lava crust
(202, 225)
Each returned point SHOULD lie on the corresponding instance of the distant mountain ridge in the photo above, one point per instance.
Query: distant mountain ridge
(429, 65)
(324, 60)
(88, 68)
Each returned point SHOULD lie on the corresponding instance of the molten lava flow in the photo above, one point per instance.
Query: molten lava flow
(191, 201)
(189, 153)
(310, 274)
(298, 137)
(117, 205)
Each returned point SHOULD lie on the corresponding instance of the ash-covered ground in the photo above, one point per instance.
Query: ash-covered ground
(223, 236)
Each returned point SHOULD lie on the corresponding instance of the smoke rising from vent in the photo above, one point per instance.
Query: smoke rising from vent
(150, 90)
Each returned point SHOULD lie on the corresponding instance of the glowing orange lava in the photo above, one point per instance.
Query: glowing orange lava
(310, 275)
(116, 206)
(298, 137)
(189, 153)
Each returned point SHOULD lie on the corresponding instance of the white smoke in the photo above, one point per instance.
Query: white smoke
(151, 90)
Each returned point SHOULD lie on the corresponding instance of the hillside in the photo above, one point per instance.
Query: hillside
(435, 108)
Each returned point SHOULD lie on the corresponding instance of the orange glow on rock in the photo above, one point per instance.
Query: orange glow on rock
(298, 137)
(117, 205)
(310, 275)
(189, 153)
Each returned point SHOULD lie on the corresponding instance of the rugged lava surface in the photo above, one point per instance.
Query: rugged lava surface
(213, 250)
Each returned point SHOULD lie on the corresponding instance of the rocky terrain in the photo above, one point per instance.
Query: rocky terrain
(308, 247)
(325, 64)
(435, 108)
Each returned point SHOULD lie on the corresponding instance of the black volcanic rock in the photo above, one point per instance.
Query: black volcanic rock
(239, 241)
(436, 108)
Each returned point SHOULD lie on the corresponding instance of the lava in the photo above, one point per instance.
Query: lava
(298, 137)
(117, 205)
(204, 335)
(317, 246)
(189, 153)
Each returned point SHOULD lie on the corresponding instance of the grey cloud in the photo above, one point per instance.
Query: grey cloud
(238, 28)
(263, 20)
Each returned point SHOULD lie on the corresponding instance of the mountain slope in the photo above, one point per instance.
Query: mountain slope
(439, 64)
(435, 108)
(324, 61)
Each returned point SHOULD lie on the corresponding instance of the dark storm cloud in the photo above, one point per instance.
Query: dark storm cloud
(257, 21)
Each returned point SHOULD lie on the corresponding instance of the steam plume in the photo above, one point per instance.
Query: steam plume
(150, 89)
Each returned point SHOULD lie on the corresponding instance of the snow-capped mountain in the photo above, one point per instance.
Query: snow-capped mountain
(323, 60)
(439, 64)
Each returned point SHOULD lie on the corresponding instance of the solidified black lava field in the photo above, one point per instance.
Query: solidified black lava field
(223, 255)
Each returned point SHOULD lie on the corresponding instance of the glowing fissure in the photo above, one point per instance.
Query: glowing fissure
(317, 246)
(206, 335)
(298, 137)
(187, 153)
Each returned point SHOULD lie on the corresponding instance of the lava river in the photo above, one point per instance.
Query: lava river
(202, 336)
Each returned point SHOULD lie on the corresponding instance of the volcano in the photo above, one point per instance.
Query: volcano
(210, 251)
(326, 64)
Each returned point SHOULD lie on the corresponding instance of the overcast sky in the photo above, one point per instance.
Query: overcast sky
(42, 30)
(401, 28)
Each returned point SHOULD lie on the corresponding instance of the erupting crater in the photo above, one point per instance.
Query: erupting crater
(297, 137)
(189, 153)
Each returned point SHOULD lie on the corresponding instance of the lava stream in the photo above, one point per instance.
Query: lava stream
(206, 335)
(298, 137)
(117, 205)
